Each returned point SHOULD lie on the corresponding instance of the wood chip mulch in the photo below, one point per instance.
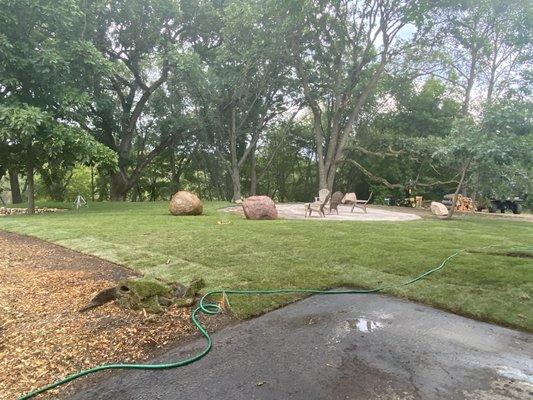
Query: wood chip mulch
(43, 337)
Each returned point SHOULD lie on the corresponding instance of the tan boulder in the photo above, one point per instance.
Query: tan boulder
(349, 198)
(438, 209)
(185, 203)
(259, 207)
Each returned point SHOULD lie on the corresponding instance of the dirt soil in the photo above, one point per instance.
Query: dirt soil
(43, 337)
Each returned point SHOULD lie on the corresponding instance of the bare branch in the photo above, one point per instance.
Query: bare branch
(371, 176)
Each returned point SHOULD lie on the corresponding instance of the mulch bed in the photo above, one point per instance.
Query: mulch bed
(42, 335)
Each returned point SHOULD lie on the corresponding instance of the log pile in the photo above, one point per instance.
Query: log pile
(463, 203)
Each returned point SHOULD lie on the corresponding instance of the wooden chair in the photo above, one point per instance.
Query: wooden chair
(361, 203)
(336, 199)
(319, 205)
(322, 194)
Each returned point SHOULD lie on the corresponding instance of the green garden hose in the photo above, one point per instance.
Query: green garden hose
(213, 309)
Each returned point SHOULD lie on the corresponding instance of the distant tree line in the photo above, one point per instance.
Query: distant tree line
(136, 99)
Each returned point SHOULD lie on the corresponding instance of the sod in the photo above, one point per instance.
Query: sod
(486, 284)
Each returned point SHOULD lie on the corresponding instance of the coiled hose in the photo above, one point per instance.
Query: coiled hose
(213, 309)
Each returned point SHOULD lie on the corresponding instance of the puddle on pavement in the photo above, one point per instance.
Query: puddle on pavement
(364, 325)
(350, 326)
(514, 374)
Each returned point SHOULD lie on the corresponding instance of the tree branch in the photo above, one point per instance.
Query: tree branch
(371, 176)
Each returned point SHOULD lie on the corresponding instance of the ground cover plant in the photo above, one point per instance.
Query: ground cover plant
(486, 284)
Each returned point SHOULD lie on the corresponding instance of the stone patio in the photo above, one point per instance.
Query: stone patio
(296, 211)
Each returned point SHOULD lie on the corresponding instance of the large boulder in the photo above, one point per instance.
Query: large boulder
(438, 209)
(185, 203)
(259, 207)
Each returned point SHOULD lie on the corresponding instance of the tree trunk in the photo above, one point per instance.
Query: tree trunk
(331, 177)
(322, 179)
(253, 173)
(119, 188)
(172, 186)
(135, 193)
(470, 81)
(121, 182)
(235, 172)
(2, 173)
(319, 137)
(16, 196)
(459, 185)
(30, 185)
(236, 181)
(92, 183)
(175, 171)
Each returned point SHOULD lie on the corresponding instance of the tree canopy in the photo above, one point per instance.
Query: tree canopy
(278, 97)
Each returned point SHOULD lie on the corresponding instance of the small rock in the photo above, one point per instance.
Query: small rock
(438, 209)
(259, 207)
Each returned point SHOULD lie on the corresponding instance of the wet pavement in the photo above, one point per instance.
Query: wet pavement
(343, 347)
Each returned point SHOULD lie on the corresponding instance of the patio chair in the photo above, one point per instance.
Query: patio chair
(336, 199)
(360, 203)
(318, 205)
(322, 194)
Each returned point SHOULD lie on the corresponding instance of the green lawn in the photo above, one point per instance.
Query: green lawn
(485, 284)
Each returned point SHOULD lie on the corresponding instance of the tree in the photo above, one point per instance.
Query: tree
(244, 96)
(509, 47)
(286, 162)
(391, 148)
(42, 86)
(340, 51)
(10, 164)
(481, 45)
(243, 85)
(144, 42)
(40, 140)
(480, 148)
(507, 171)
(480, 36)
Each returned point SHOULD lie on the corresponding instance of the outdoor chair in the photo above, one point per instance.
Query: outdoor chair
(336, 199)
(322, 194)
(352, 198)
(318, 205)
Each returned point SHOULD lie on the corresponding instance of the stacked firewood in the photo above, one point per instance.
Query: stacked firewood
(463, 203)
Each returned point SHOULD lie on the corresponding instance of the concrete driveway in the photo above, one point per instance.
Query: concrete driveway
(343, 347)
